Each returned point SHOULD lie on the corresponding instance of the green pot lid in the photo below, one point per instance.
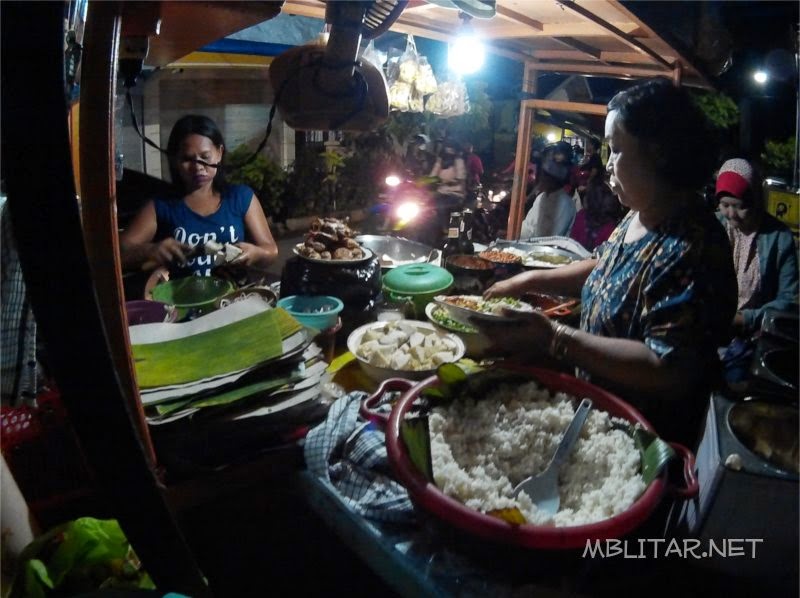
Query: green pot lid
(417, 278)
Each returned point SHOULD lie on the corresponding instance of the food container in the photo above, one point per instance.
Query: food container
(553, 306)
(506, 264)
(471, 274)
(396, 251)
(143, 311)
(416, 283)
(430, 498)
(743, 494)
(383, 373)
(267, 295)
(316, 311)
(547, 253)
(192, 296)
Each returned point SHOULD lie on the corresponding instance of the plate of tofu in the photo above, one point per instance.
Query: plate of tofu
(403, 349)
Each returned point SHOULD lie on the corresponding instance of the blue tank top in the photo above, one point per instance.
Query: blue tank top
(226, 225)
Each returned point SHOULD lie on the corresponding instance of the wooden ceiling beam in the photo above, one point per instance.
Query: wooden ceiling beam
(614, 30)
(584, 49)
(651, 33)
(519, 18)
(600, 69)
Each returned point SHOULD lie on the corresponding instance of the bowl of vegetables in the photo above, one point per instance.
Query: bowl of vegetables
(476, 343)
(315, 311)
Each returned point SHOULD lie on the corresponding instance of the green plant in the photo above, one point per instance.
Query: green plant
(261, 174)
(778, 157)
(720, 109)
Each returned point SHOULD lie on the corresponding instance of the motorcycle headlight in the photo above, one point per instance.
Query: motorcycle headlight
(392, 180)
(407, 211)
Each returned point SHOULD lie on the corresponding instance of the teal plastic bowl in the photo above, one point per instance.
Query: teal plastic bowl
(316, 311)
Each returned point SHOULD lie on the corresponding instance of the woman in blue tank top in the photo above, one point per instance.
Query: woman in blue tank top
(202, 208)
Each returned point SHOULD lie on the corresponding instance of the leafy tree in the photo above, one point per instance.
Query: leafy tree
(778, 157)
(261, 174)
(720, 109)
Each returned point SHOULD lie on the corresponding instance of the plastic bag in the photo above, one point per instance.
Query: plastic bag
(449, 100)
(408, 68)
(403, 72)
(425, 84)
(372, 55)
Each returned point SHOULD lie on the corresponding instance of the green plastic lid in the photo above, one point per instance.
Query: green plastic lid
(417, 278)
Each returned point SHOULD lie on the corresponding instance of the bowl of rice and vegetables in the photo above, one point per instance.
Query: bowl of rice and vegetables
(482, 433)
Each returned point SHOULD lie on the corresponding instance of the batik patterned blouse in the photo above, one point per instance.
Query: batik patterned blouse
(674, 289)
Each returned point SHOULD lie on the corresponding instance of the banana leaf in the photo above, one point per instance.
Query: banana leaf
(230, 348)
(416, 436)
(653, 451)
(230, 396)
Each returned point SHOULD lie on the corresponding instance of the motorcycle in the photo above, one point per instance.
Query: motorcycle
(491, 214)
(407, 208)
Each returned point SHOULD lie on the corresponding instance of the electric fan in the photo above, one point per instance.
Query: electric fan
(323, 87)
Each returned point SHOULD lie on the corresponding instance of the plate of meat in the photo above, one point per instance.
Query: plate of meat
(330, 240)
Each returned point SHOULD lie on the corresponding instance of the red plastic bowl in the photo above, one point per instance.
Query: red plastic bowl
(426, 495)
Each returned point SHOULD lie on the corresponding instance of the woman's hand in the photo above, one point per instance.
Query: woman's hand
(505, 288)
(167, 252)
(251, 255)
(529, 334)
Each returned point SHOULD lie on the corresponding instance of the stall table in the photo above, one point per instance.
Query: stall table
(430, 559)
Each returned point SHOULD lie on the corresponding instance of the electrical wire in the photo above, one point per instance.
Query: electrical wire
(360, 90)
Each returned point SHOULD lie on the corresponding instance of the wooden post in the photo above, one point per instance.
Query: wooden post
(516, 211)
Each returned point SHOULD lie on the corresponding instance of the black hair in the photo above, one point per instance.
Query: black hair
(594, 142)
(672, 128)
(194, 124)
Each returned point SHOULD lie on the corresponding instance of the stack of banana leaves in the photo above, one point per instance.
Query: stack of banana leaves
(247, 361)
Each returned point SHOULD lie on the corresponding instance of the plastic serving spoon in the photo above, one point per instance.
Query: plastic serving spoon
(543, 488)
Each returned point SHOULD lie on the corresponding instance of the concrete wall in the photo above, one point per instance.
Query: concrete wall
(238, 99)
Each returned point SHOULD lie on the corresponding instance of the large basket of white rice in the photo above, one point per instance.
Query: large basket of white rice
(480, 449)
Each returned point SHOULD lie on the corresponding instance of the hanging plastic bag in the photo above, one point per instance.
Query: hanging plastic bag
(425, 84)
(449, 100)
(416, 101)
(399, 91)
(372, 55)
(409, 62)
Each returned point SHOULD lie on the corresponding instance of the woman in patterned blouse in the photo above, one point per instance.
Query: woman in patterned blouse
(658, 297)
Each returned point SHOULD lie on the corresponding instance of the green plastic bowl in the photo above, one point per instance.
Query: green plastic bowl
(316, 311)
(193, 295)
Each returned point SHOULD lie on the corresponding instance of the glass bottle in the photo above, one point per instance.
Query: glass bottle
(451, 246)
(465, 244)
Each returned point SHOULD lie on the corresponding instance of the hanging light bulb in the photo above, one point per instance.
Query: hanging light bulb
(466, 53)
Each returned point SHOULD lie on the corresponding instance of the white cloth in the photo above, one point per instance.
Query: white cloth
(552, 214)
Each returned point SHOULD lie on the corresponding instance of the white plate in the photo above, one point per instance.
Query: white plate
(466, 315)
(367, 256)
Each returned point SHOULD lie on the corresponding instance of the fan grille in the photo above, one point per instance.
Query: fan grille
(380, 16)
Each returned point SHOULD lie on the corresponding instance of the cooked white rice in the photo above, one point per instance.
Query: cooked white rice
(482, 449)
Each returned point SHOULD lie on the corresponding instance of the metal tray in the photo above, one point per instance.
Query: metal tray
(537, 248)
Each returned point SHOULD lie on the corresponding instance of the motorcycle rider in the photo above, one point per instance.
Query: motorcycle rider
(452, 174)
